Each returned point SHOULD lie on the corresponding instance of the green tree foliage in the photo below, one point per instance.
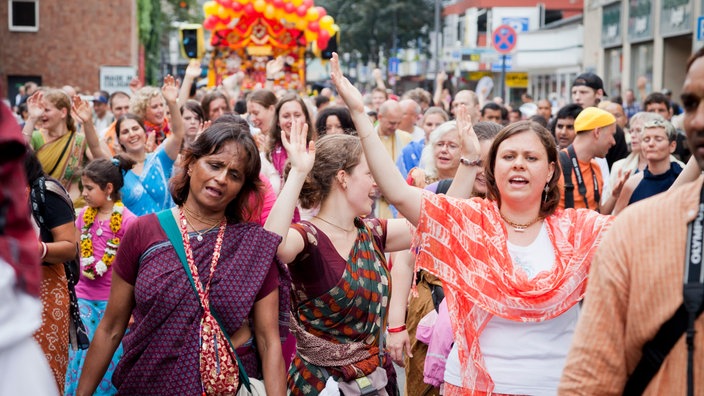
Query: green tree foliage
(154, 20)
(368, 26)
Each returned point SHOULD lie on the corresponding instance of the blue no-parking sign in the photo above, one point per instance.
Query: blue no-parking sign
(700, 28)
(504, 39)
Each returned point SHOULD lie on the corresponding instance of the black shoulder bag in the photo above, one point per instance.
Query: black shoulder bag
(567, 176)
(656, 350)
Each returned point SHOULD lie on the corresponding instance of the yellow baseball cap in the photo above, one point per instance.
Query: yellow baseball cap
(592, 118)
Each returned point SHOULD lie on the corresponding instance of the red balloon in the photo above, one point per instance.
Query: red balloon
(314, 26)
(278, 3)
(289, 8)
(321, 12)
(226, 3)
(236, 6)
(209, 23)
(322, 43)
(324, 35)
(249, 9)
(308, 3)
(301, 10)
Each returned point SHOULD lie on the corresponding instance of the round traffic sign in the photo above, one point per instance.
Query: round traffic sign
(504, 38)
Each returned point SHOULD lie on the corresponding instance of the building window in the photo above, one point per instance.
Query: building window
(23, 15)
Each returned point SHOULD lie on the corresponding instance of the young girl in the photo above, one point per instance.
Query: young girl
(102, 224)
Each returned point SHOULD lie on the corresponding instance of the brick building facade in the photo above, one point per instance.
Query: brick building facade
(71, 40)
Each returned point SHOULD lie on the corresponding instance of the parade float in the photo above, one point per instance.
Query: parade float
(246, 34)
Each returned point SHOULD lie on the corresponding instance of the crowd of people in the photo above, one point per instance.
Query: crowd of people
(208, 241)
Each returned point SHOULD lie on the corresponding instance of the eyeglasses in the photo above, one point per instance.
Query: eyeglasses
(450, 145)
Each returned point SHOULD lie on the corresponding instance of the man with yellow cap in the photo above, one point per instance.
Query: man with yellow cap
(581, 181)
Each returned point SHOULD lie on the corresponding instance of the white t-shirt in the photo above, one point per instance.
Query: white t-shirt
(524, 358)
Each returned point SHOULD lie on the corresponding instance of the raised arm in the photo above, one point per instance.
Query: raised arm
(302, 157)
(192, 72)
(172, 145)
(35, 110)
(273, 68)
(463, 182)
(84, 113)
(440, 79)
(404, 197)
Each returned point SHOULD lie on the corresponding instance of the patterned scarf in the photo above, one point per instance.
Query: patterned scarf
(464, 243)
(162, 131)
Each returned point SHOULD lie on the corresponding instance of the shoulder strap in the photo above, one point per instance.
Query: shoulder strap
(54, 186)
(63, 152)
(443, 186)
(168, 223)
(567, 176)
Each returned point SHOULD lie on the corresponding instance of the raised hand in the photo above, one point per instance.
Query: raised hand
(301, 155)
(35, 106)
(622, 179)
(468, 139)
(203, 126)
(193, 70)
(135, 85)
(441, 78)
(274, 67)
(348, 92)
(81, 109)
(170, 89)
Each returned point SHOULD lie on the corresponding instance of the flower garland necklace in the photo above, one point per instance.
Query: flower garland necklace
(91, 269)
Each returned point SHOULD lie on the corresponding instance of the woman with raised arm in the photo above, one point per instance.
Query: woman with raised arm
(146, 184)
(513, 267)
(339, 316)
(52, 133)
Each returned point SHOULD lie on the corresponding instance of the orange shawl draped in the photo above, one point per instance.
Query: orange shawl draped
(464, 243)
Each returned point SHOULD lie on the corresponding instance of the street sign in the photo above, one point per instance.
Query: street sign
(700, 28)
(503, 39)
(394, 63)
(498, 64)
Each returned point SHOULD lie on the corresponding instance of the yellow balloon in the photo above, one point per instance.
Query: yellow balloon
(312, 14)
(301, 24)
(311, 37)
(335, 28)
(210, 8)
(221, 12)
(279, 14)
(259, 5)
(326, 22)
(243, 2)
(297, 2)
(269, 11)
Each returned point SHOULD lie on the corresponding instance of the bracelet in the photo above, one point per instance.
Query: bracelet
(398, 329)
(44, 250)
(467, 162)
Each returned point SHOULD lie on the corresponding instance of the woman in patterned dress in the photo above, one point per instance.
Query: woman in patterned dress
(339, 316)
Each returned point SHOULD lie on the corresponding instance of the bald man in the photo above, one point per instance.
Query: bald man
(470, 100)
(411, 112)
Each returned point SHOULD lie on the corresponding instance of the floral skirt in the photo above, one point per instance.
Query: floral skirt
(91, 313)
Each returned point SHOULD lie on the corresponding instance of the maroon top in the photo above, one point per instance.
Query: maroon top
(324, 261)
(161, 350)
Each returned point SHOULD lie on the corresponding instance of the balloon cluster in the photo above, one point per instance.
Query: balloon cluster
(303, 15)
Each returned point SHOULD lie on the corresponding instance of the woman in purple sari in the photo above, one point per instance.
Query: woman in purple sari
(248, 287)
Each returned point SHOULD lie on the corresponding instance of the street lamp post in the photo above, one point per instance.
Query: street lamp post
(437, 38)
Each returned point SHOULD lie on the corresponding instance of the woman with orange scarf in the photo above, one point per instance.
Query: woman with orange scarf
(513, 266)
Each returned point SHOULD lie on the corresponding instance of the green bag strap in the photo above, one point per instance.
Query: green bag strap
(168, 223)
